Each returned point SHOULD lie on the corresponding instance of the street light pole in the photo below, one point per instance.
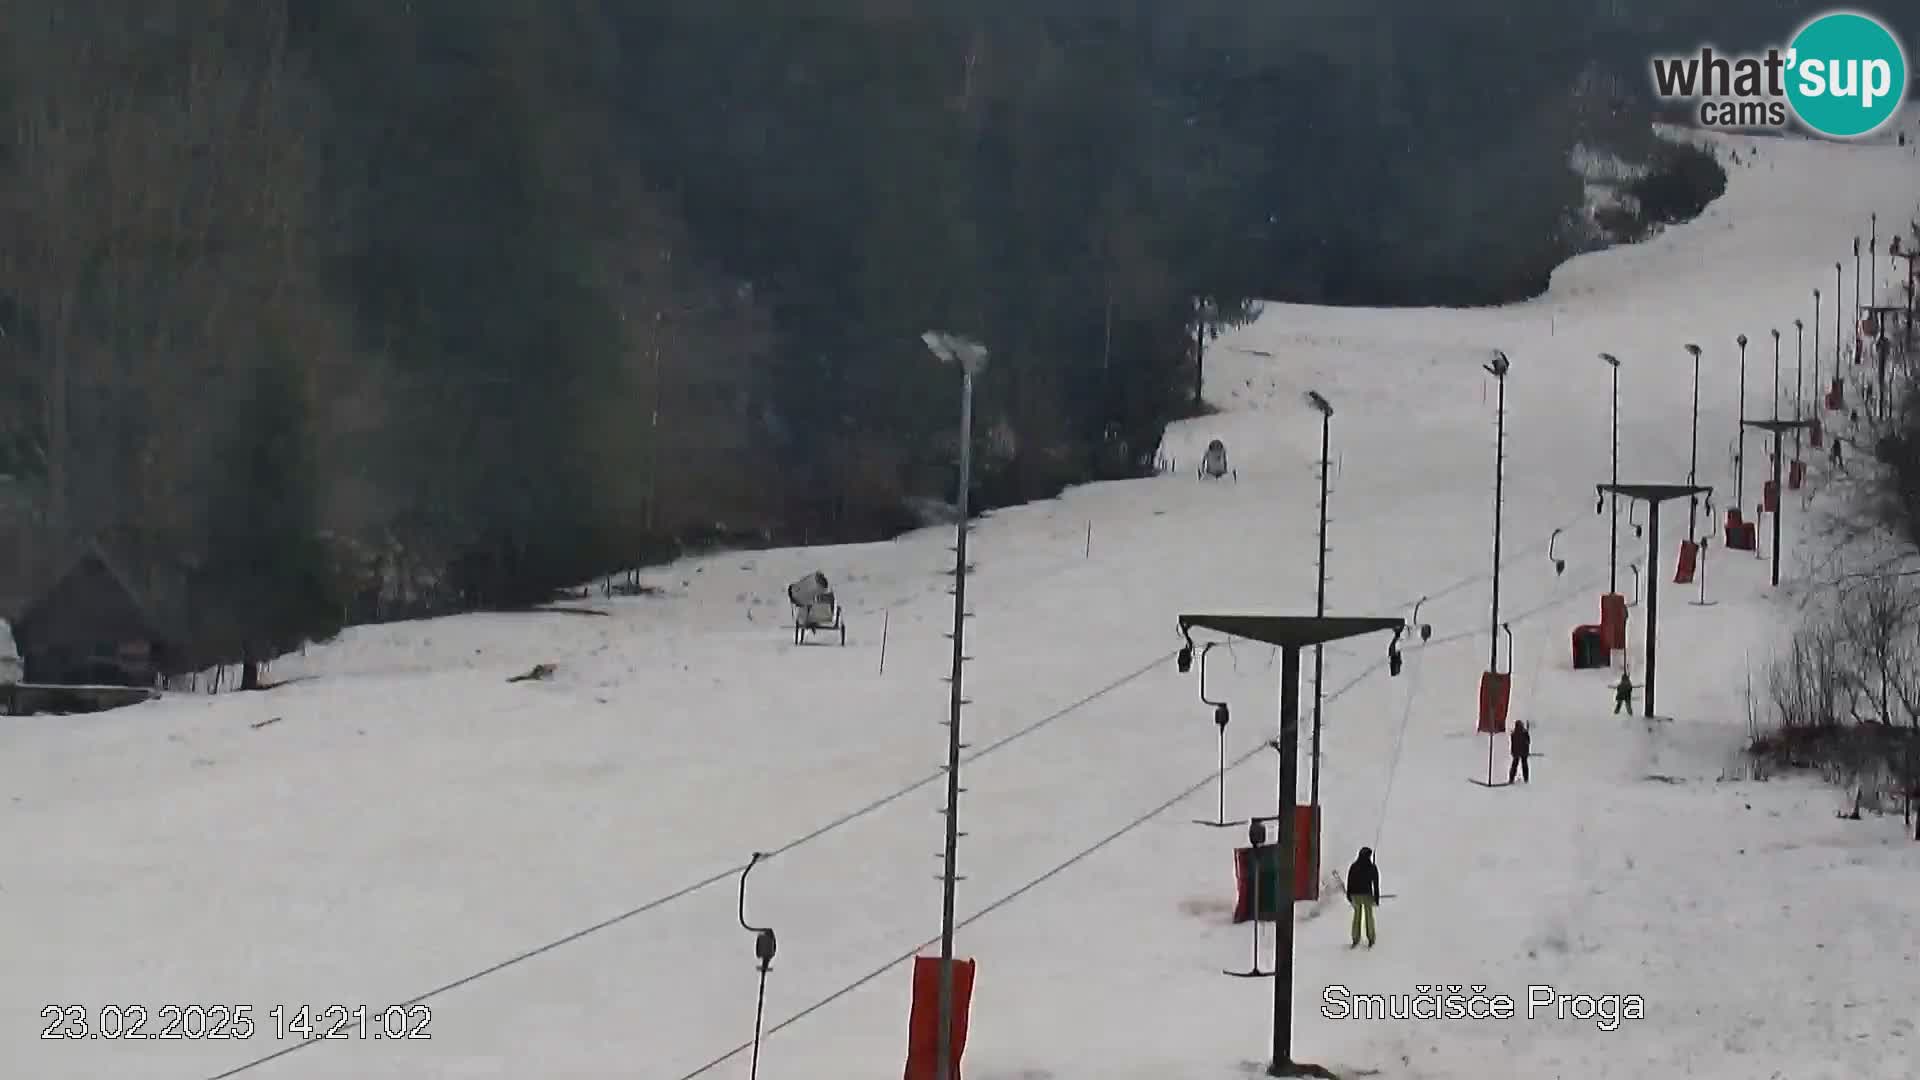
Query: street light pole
(1325, 409)
(1693, 455)
(971, 358)
(1740, 455)
(1799, 385)
(1776, 372)
(1498, 369)
(1613, 534)
(1836, 323)
(1817, 391)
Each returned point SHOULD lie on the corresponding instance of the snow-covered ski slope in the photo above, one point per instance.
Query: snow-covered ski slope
(413, 824)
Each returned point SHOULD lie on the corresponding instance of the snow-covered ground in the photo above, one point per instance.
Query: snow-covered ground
(415, 825)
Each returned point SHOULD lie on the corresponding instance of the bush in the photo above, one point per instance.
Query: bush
(1846, 695)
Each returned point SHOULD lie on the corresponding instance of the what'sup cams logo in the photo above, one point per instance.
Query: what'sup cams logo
(1844, 75)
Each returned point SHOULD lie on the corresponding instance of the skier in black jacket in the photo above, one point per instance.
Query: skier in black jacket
(1521, 744)
(1363, 892)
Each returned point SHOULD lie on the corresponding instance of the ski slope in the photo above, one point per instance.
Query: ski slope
(554, 864)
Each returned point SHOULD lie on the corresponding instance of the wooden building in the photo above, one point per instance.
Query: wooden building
(104, 622)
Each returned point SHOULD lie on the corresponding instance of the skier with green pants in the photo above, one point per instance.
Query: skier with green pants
(1363, 892)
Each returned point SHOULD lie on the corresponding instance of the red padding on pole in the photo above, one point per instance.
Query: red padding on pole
(1796, 474)
(1770, 497)
(1495, 688)
(923, 1025)
(1837, 395)
(1816, 436)
(1613, 621)
(1306, 885)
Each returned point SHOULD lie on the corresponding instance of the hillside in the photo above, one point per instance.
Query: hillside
(398, 820)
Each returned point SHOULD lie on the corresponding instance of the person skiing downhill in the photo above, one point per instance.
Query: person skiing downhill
(1623, 694)
(1520, 744)
(1363, 892)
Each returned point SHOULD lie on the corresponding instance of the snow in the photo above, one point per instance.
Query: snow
(416, 825)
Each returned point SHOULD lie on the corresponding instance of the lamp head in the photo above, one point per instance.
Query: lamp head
(1693, 350)
(968, 355)
(1220, 715)
(1798, 325)
(1257, 834)
(1185, 658)
(1612, 360)
(1741, 341)
(1776, 335)
(1497, 367)
(1320, 404)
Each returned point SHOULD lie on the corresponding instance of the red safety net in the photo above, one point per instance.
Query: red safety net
(923, 1023)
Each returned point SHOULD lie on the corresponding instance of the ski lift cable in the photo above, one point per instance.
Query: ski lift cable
(733, 871)
(1081, 855)
(1399, 741)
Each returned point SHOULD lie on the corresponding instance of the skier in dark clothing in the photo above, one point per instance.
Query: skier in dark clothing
(1623, 694)
(1363, 892)
(1520, 744)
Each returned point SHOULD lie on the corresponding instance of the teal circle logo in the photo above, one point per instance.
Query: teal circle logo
(1846, 75)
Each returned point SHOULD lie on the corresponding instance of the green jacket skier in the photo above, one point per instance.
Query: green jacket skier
(1623, 694)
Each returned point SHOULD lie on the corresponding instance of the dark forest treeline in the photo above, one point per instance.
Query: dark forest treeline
(324, 299)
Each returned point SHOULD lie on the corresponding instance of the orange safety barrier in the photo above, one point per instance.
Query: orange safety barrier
(1306, 884)
(1495, 689)
(1689, 558)
(1613, 621)
(923, 1024)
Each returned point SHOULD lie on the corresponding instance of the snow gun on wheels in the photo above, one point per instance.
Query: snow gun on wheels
(815, 611)
(1213, 466)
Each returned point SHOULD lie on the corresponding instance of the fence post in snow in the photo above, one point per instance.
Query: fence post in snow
(1089, 540)
(886, 617)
